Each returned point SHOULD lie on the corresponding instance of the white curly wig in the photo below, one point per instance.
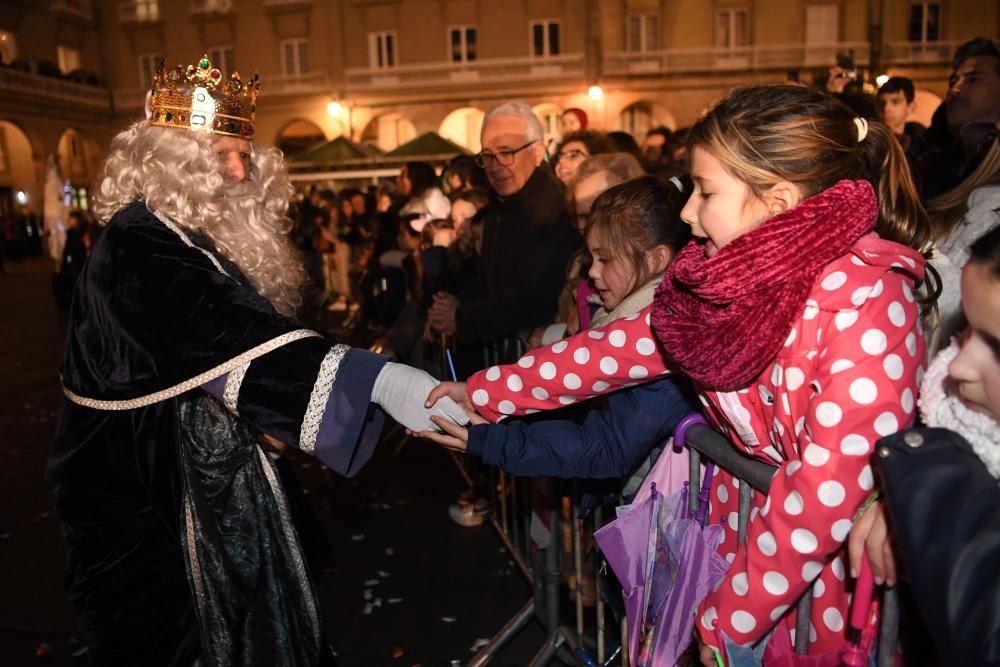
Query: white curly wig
(177, 175)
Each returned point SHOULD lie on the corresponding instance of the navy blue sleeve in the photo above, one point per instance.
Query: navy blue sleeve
(607, 445)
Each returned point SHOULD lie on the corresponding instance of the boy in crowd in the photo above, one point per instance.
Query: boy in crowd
(894, 105)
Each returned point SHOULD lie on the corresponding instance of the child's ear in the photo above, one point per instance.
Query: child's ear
(782, 196)
(659, 259)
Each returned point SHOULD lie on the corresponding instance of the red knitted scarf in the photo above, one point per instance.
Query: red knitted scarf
(723, 319)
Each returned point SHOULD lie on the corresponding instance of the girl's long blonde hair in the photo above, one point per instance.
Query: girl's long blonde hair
(177, 175)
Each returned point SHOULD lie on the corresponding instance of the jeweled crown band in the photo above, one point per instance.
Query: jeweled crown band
(199, 99)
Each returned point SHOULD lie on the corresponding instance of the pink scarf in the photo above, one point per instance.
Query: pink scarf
(722, 320)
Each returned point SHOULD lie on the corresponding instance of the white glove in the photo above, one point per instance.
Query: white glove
(401, 391)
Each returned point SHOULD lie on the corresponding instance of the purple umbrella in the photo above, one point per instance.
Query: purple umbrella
(666, 562)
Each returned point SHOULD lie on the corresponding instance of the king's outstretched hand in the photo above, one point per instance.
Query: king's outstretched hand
(402, 391)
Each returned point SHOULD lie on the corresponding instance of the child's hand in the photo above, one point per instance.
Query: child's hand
(452, 435)
(871, 533)
(456, 391)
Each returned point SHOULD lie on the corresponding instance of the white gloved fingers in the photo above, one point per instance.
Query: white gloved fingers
(401, 391)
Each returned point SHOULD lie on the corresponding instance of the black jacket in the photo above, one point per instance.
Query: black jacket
(945, 511)
(527, 243)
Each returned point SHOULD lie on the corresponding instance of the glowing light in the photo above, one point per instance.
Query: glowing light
(881, 79)
(596, 93)
(22, 197)
(334, 109)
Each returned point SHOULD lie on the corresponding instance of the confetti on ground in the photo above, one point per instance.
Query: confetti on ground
(386, 506)
(395, 600)
(368, 608)
(372, 582)
(383, 574)
(42, 649)
(398, 652)
(306, 466)
(377, 603)
(448, 619)
(357, 538)
(80, 651)
(389, 551)
(478, 644)
(456, 663)
(368, 594)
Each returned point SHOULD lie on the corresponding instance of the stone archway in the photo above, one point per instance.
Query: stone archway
(18, 172)
(388, 131)
(299, 135)
(640, 117)
(463, 126)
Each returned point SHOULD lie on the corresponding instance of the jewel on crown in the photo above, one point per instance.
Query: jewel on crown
(200, 99)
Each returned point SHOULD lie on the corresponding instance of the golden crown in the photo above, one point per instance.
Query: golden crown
(197, 98)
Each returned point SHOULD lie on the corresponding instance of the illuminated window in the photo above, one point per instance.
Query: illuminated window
(69, 59)
(147, 10)
(8, 50)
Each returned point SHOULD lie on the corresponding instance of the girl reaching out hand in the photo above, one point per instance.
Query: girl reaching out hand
(794, 311)
(633, 232)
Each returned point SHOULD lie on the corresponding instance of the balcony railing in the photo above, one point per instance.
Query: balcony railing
(494, 70)
(211, 6)
(14, 82)
(79, 8)
(306, 84)
(138, 11)
(899, 53)
(742, 58)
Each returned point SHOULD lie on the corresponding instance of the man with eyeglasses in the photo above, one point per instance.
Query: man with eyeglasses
(527, 236)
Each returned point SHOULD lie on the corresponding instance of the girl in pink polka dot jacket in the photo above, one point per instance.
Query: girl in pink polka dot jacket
(793, 310)
(634, 231)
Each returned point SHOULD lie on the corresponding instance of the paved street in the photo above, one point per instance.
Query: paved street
(441, 586)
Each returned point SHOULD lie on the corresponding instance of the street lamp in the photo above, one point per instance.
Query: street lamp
(22, 197)
(335, 109)
(881, 79)
(596, 93)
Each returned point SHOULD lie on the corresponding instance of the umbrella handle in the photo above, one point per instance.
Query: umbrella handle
(681, 431)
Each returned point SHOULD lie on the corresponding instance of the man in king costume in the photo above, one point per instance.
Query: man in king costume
(184, 363)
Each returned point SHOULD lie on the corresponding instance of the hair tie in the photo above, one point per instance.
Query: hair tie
(677, 184)
(862, 126)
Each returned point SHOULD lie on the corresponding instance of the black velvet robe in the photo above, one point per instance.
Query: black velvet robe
(180, 544)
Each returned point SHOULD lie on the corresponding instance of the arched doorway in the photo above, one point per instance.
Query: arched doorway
(300, 135)
(463, 126)
(20, 194)
(388, 131)
(76, 156)
(640, 117)
(551, 117)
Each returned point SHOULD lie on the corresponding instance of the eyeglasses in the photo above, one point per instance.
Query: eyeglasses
(571, 155)
(503, 158)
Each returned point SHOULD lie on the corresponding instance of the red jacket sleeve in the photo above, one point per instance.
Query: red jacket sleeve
(622, 353)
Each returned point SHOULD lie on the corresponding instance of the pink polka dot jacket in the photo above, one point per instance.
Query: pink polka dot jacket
(846, 376)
